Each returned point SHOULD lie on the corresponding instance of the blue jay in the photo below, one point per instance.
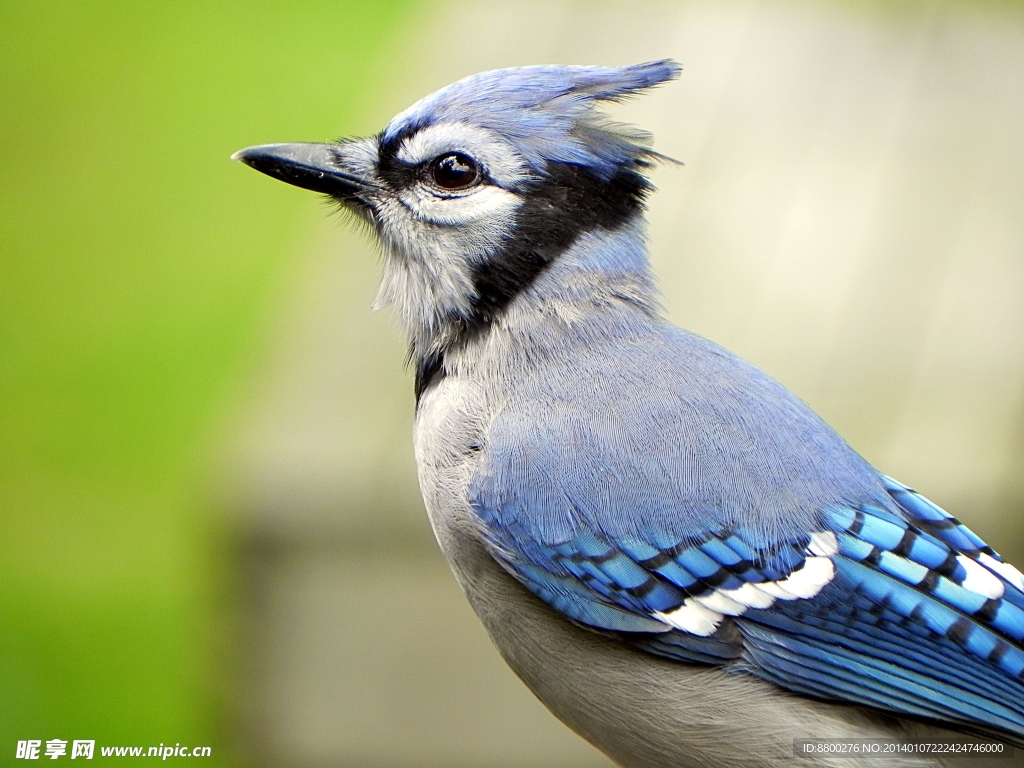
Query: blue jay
(678, 557)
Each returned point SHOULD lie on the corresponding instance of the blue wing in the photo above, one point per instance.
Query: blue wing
(918, 616)
(851, 587)
(922, 618)
(715, 519)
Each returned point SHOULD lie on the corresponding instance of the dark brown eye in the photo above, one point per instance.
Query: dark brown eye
(454, 171)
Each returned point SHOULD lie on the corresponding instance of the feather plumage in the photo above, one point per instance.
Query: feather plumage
(547, 113)
(640, 480)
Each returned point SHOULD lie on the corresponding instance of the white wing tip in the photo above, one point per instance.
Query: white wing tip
(693, 617)
(1007, 571)
(702, 615)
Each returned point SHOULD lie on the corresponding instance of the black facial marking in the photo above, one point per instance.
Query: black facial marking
(390, 169)
(427, 370)
(567, 203)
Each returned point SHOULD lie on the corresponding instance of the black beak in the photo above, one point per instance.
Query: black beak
(310, 166)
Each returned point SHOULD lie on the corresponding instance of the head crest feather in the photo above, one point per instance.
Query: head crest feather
(547, 112)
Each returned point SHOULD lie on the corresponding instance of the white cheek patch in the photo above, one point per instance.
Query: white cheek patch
(702, 615)
(434, 245)
(483, 203)
(435, 240)
(498, 158)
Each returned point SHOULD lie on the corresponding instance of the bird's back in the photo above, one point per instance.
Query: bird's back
(662, 429)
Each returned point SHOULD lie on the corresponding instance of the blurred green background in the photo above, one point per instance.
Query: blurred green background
(208, 513)
(138, 272)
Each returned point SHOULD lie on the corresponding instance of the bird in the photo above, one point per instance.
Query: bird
(678, 557)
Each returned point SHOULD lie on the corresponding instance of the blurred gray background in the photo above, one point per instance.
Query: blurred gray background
(850, 217)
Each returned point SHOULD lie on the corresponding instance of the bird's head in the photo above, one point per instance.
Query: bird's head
(476, 189)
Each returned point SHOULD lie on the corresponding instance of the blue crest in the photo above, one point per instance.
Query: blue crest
(547, 112)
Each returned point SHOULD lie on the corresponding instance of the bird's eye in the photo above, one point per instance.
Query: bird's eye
(454, 171)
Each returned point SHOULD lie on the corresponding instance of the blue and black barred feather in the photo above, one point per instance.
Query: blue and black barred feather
(915, 621)
(717, 520)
